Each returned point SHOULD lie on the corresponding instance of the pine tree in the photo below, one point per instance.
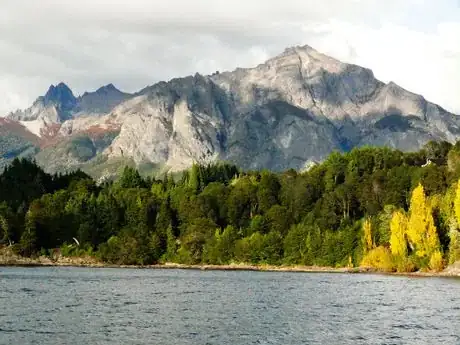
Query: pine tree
(194, 178)
(171, 244)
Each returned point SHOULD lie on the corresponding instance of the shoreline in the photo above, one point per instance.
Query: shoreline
(453, 272)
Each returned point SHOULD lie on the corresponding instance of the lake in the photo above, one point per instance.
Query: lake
(135, 306)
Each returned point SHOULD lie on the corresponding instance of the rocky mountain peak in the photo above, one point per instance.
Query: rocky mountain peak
(101, 101)
(307, 57)
(60, 95)
(109, 88)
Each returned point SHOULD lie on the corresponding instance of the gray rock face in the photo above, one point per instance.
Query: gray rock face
(291, 110)
(102, 101)
(59, 106)
(56, 106)
(286, 113)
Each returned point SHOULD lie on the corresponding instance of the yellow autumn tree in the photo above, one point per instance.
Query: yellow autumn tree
(398, 228)
(454, 233)
(367, 236)
(457, 203)
(417, 217)
(421, 230)
(431, 240)
(378, 258)
(436, 261)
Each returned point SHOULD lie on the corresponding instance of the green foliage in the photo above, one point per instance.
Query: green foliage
(295, 246)
(130, 178)
(28, 243)
(220, 249)
(74, 250)
(216, 214)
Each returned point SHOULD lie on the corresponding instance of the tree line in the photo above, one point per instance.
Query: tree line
(373, 207)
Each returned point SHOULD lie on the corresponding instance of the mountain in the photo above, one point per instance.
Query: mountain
(49, 112)
(102, 101)
(288, 112)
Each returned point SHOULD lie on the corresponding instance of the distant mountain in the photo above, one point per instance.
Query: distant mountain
(102, 101)
(286, 113)
(49, 112)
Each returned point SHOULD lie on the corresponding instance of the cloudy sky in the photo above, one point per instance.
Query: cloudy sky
(134, 43)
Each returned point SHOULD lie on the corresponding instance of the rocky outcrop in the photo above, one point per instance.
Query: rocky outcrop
(288, 112)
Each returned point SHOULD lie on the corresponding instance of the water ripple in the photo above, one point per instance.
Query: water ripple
(115, 306)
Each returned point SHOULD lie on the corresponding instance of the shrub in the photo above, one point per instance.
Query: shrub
(379, 258)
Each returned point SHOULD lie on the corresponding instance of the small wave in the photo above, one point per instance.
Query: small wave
(337, 305)
(358, 337)
(27, 290)
(408, 326)
(25, 330)
(2, 330)
(47, 332)
(190, 292)
(130, 303)
(73, 305)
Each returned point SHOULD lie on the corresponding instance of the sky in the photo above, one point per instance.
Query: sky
(135, 43)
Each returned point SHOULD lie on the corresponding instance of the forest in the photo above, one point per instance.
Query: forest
(370, 207)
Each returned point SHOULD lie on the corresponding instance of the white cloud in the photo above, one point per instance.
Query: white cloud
(425, 63)
(138, 42)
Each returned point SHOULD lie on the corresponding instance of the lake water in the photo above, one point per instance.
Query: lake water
(132, 306)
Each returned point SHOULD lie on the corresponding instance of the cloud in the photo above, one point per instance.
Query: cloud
(425, 63)
(139, 42)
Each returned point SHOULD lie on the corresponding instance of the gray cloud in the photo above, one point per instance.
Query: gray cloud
(136, 43)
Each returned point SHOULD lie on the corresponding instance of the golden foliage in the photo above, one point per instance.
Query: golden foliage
(436, 261)
(379, 258)
(350, 262)
(431, 242)
(421, 231)
(454, 234)
(454, 245)
(417, 216)
(405, 264)
(457, 203)
(367, 238)
(398, 228)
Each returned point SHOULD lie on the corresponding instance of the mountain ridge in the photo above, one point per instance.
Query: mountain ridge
(293, 109)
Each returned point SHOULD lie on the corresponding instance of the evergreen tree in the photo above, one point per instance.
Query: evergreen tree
(218, 214)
